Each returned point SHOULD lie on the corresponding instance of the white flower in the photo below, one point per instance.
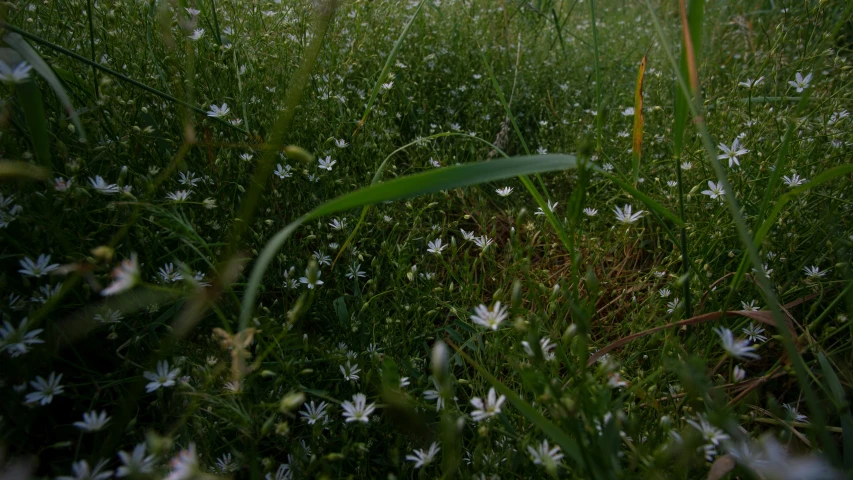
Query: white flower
(488, 408)
(731, 153)
(710, 433)
(338, 224)
(749, 307)
(37, 268)
(545, 344)
(135, 463)
(739, 374)
(179, 196)
(350, 372)
(664, 292)
(246, 157)
(483, 242)
(99, 184)
(750, 83)
(188, 179)
(590, 212)
(310, 280)
(355, 271)
(93, 421)
(124, 276)
(544, 455)
(168, 274)
(541, 150)
(626, 216)
(467, 235)
(686, 166)
(801, 83)
(794, 180)
(314, 413)
(814, 272)
(197, 34)
(218, 112)
(45, 390)
(17, 341)
(82, 472)
(19, 75)
(435, 246)
(184, 465)
(358, 410)
(283, 172)
(62, 185)
(224, 464)
(755, 333)
(736, 348)
(628, 112)
(614, 380)
(341, 143)
(551, 207)
(715, 190)
(504, 191)
(795, 415)
(424, 457)
(164, 377)
(327, 163)
(489, 318)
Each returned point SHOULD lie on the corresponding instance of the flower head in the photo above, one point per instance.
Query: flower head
(125, 276)
(358, 410)
(489, 318)
(801, 83)
(93, 421)
(45, 390)
(164, 377)
(218, 112)
(732, 153)
(424, 457)
(544, 455)
(626, 216)
(484, 409)
(736, 348)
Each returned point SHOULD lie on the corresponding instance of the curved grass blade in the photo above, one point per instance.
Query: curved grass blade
(30, 100)
(390, 61)
(647, 200)
(399, 188)
(32, 57)
(637, 147)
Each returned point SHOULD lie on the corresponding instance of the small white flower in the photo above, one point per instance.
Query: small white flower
(309, 280)
(750, 83)
(99, 184)
(246, 157)
(489, 318)
(436, 246)
(197, 34)
(184, 465)
(37, 268)
(314, 413)
(20, 74)
(135, 463)
(551, 207)
(283, 172)
(483, 242)
(218, 112)
(179, 196)
(754, 333)
(341, 143)
(17, 341)
(358, 410)
(327, 163)
(544, 455)
(338, 224)
(504, 191)
(795, 415)
(45, 390)
(710, 433)
(801, 83)
(350, 372)
(628, 112)
(93, 421)
(794, 180)
(484, 409)
(545, 344)
(814, 272)
(82, 472)
(739, 349)
(715, 190)
(739, 374)
(163, 378)
(626, 215)
(590, 212)
(731, 153)
(424, 457)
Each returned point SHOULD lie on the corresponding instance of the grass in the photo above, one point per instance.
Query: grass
(230, 275)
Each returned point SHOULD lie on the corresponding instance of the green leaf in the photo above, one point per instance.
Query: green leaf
(17, 169)
(403, 187)
(33, 58)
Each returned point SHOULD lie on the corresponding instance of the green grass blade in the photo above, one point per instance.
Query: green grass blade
(399, 188)
(32, 57)
(390, 61)
(18, 169)
(29, 98)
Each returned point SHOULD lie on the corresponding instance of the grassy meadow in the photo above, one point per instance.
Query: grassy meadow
(478, 239)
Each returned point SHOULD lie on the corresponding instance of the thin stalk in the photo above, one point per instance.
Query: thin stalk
(92, 45)
(599, 119)
(215, 23)
(685, 256)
